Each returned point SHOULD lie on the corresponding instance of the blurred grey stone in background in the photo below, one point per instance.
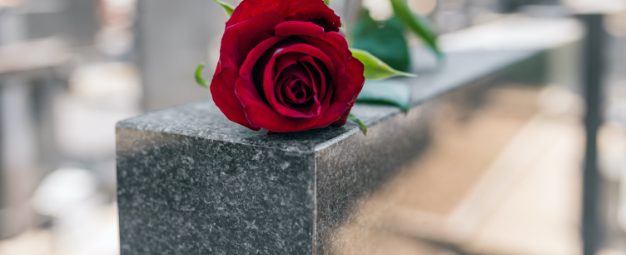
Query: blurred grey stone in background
(172, 39)
(74, 20)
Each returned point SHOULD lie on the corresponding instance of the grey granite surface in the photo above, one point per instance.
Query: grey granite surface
(191, 182)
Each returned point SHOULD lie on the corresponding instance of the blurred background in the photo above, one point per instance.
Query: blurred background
(70, 69)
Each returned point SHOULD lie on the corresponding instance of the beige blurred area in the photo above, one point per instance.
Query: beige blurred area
(499, 180)
(501, 175)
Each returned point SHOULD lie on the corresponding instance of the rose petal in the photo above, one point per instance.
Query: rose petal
(299, 10)
(223, 94)
(289, 28)
(253, 8)
(347, 76)
(284, 57)
(332, 43)
(238, 39)
(261, 114)
(293, 102)
(288, 66)
(281, 63)
(255, 54)
(314, 11)
(347, 88)
(316, 74)
(297, 93)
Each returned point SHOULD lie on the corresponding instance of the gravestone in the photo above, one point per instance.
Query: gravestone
(190, 182)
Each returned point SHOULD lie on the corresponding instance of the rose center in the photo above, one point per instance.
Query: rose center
(298, 93)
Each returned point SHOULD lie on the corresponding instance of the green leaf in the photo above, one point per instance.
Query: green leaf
(327, 2)
(228, 8)
(385, 40)
(199, 79)
(392, 93)
(416, 24)
(376, 69)
(359, 123)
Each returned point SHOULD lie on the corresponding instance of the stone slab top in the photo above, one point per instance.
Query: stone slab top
(203, 120)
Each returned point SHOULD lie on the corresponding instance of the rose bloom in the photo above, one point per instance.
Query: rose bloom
(285, 67)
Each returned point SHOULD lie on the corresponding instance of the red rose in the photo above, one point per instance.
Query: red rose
(285, 67)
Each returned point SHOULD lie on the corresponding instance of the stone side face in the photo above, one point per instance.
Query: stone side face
(348, 172)
(189, 195)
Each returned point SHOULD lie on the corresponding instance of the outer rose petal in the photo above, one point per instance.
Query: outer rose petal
(241, 38)
(346, 96)
(223, 93)
(298, 28)
(300, 10)
(342, 121)
(316, 11)
(252, 8)
(237, 41)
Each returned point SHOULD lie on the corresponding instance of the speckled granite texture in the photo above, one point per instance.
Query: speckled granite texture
(191, 182)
